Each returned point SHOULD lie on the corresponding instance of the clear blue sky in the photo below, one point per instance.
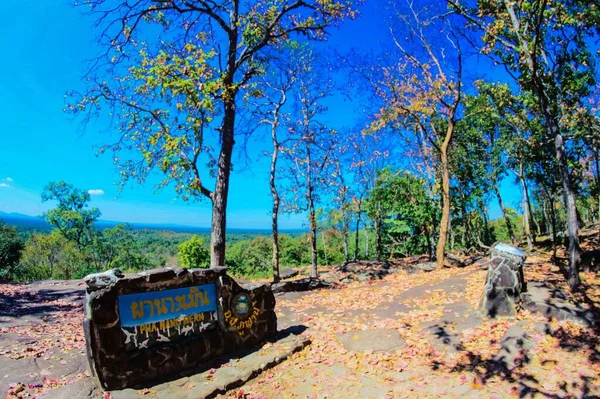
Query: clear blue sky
(45, 45)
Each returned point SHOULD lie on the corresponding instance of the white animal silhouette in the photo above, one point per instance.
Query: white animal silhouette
(180, 318)
(144, 344)
(130, 337)
(162, 338)
(187, 329)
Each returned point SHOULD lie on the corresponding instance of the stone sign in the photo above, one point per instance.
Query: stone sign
(145, 328)
(504, 282)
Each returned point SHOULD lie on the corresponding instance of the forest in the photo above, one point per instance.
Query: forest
(188, 85)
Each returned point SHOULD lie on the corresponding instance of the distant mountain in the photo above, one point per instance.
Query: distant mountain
(28, 222)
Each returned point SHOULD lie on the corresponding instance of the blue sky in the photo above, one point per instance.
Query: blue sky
(45, 51)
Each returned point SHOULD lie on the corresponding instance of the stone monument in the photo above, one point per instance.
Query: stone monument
(145, 328)
(504, 282)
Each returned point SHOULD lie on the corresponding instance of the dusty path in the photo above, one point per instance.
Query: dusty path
(421, 336)
(41, 339)
(407, 335)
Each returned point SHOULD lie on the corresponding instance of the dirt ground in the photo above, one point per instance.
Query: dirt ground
(408, 334)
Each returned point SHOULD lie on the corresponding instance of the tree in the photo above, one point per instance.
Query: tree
(407, 214)
(193, 253)
(52, 256)
(491, 121)
(250, 257)
(277, 83)
(422, 92)
(70, 216)
(310, 150)
(10, 249)
(340, 217)
(116, 247)
(543, 44)
(168, 91)
(368, 154)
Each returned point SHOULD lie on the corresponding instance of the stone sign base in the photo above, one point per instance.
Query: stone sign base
(504, 282)
(154, 326)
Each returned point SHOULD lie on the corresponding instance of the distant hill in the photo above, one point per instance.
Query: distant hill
(25, 222)
(36, 223)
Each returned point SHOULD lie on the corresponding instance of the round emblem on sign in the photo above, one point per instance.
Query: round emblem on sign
(240, 305)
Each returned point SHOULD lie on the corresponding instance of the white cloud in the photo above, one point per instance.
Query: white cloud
(96, 192)
(4, 185)
(8, 179)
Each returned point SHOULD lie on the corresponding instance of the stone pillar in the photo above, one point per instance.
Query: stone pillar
(504, 282)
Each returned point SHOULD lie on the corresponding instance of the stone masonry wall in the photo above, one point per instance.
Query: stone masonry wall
(504, 282)
(138, 356)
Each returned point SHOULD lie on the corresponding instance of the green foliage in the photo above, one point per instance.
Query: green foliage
(407, 214)
(117, 248)
(51, 256)
(251, 258)
(70, 216)
(193, 253)
(10, 248)
(500, 231)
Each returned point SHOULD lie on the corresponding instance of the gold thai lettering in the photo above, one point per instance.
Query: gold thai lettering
(160, 306)
(149, 303)
(241, 325)
(137, 311)
(181, 303)
(192, 296)
(204, 300)
(172, 303)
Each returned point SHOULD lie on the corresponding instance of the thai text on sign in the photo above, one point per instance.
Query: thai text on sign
(148, 307)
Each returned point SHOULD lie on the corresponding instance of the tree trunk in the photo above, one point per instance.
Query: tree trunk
(366, 243)
(313, 234)
(597, 159)
(526, 211)
(570, 208)
(466, 236)
(547, 222)
(509, 227)
(552, 222)
(219, 197)
(428, 240)
(275, 214)
(346, 254)
(486, 224)
(324, 248)
(356, 236)
(221, 193)
(445, 173)
(379, 239)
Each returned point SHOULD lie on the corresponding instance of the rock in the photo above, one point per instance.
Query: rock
(515, 343)
(377, 340)
(287, 273)
(427, 266)
(554, 304)
(304, 284)
(85, 388)
(504, 282)
(100, 281)
(213, 382)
